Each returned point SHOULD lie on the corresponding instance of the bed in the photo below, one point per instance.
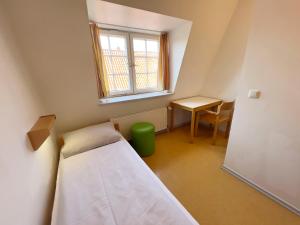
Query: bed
(111, 185)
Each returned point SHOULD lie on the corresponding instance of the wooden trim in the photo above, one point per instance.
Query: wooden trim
(175, 105)
(60, 142)
(117, 127)
(170, 118)
(162, 131)
(41, 130)
(208, 106)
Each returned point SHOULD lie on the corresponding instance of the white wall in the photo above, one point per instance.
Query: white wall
(55, 38)
(178, 39)
(107, 13)
(264, 143)
(27, 177)
(225, 71)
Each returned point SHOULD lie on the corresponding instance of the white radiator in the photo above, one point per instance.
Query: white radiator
(158, 117)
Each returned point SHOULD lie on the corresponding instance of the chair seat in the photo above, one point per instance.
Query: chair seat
(211, 118)
(223, 114)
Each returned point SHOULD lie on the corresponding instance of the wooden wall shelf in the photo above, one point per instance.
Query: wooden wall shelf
(41, 130)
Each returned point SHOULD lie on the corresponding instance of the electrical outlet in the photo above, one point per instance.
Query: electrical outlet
(253, 93)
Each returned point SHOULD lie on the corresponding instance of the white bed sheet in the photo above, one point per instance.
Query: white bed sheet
(112, 185)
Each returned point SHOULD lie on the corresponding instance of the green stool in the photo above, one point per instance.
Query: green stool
(143, 139)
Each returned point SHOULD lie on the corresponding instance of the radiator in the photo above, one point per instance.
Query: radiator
(158, 117)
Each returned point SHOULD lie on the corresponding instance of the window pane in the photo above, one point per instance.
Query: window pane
(115, 59)
(140, 65)
(152, 64)
(117, 43)
(146, 56)
(142, 81)
(104, 42)
(139, 47)
(152, 80)
(152, 47)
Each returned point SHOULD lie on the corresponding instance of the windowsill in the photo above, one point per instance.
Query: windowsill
(127, 98)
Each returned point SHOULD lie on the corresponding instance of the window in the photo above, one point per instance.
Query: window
(145, 63)
(117, 62)
(131, 62)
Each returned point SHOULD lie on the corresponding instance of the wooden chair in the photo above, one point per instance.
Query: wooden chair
(222, 115)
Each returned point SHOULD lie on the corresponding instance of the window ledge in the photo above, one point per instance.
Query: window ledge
(127, 98)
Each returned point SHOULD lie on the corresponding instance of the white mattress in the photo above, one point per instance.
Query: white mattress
(111, 185)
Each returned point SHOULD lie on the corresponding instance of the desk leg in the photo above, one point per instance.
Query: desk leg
(196, 124)
(171, 119)
(193, 120)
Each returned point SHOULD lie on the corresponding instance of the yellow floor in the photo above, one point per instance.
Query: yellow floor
(192, 173)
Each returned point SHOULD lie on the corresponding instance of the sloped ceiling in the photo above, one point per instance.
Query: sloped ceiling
(223, 78)
(114, 14)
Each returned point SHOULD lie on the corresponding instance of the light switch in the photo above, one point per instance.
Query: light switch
(253, 93)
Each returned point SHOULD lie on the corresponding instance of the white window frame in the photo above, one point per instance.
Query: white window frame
(130, 57)
(143, 36)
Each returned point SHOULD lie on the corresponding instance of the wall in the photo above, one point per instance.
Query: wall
(225, 71)
(54, 36)
(107, 13)
(178, 40)
(264, 144)
(27, 177)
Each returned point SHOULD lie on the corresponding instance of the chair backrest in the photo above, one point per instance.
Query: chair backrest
(226, 106)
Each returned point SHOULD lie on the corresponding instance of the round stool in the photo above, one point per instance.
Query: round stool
(143, 138)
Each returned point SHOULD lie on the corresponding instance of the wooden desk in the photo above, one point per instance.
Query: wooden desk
(194, 105)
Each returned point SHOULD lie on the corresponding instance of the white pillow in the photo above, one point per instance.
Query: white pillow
(88, 138)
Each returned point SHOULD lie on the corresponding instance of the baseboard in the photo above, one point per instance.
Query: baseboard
(263, 191)
(161, 131)
(166, 130)
(183, 124)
